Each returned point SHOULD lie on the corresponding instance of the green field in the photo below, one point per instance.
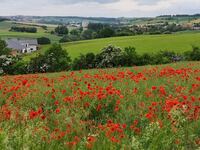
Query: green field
(6, 25)
(178, 42)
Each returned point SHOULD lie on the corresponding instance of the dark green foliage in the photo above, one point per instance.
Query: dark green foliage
(69, 38)
(24, 29)
(164, 57)
(19, 67)
(64, 39)
(37, 64)
(107, 32)
(3, 49)
(3, 19)
(146, 59)
(84, 62)
(74, 32)
(129, 57)
(43, 40)
(61, 30)
(95, 26)
(55, 59)
(87, 34)
(193, 55)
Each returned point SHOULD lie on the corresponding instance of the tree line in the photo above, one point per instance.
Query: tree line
(99, 30)
(23, 29)
(56, 59)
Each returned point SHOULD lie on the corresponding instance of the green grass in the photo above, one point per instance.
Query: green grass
(5, 33)
(178, 42)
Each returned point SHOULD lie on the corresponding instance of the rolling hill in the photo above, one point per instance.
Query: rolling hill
(178, 42)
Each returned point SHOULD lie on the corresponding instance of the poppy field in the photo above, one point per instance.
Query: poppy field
(136, 108)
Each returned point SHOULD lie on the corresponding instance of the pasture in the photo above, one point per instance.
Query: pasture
(6, 25)
(178, 42)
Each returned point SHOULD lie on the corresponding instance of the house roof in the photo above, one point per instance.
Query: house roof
(20, 44)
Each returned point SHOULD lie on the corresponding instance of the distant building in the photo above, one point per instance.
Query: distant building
(196, 28)
(85, 25)
(22, 46)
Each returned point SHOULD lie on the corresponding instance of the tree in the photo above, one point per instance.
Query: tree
(95, 26)
(195, 54)
(107, 32)
(84, 62)
(3, 49)
(74, 32)
(43, 40)
(24, 29)
(129, 57)
(87, 34)
(57, 58)
(64, 39)
(61, 30)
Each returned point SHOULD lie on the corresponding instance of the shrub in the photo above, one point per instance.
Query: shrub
(64, 39)
(84, 62)
(194, 55)
(43, 40)
(61, 30)
(24, 29)
(110, 56)
(55, 59)
(87, 34)
(129, 57)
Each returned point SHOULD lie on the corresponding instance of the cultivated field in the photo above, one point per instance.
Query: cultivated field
(6, 25)
(178, 42)
(138, 108)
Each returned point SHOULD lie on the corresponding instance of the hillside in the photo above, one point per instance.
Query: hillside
(6, 25)
(152, 107)
(178, 42)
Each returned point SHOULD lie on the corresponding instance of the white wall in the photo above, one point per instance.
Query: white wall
(29, 49)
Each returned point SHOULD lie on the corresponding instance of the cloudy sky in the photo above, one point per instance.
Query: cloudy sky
(105, 8)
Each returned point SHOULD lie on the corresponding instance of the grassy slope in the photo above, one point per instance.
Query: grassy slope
(178, 42)
(6, 25)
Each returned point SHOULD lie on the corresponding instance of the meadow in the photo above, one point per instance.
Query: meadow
(178, 42)
(137, 108)
(5, 33)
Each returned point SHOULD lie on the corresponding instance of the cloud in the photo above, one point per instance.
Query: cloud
(106, 8)
(148, 2)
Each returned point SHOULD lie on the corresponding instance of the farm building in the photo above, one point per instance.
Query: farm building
(22, 45)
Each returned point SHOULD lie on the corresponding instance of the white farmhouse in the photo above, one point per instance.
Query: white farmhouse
(23, 46)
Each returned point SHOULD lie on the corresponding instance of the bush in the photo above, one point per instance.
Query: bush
(55, 59)
(84, 62)
(64, 39)
(107, 32)
(87, 34)
(129, 57)
(110, 57)
(37, 64)
(3, 49)
(43, 40)
(146, 59)
(61, 30)
(194, 55)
